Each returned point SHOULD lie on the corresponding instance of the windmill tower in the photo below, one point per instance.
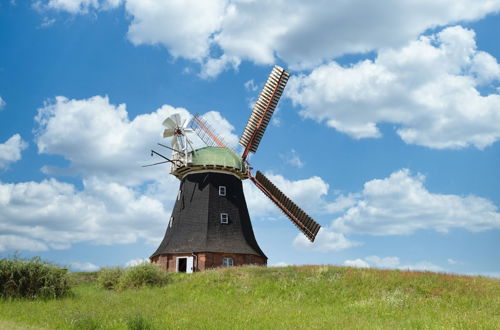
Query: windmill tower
(210, 225)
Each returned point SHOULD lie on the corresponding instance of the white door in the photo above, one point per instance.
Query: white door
(189, 265)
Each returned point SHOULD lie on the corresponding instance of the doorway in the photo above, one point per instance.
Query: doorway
(184, 264)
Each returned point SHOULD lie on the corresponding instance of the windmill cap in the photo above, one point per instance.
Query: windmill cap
(213, 158)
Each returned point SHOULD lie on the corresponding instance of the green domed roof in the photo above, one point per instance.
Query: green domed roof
(212, 158)
(217, 156)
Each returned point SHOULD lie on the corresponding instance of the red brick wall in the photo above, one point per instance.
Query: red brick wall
(207, 260)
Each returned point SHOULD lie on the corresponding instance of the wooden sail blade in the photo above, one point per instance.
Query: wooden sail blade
(302, 220)
(263, 110)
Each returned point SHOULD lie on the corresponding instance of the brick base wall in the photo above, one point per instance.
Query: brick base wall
(207, 260)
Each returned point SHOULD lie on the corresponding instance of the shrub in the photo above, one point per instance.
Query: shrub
(107, 278)
(33, 278)
(142, 275)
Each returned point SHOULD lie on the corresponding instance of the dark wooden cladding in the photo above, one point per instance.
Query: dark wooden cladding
(301, 219)
(264, 108)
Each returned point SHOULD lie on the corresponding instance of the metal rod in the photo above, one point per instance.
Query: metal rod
(163, 162)
(170, 148)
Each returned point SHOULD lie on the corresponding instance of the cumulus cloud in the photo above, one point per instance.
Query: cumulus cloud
(84, 266)
(212, 67)
(20, 243)
(392, 263)
(55, 214)
(320, 27)
(219, 37)
(428, 88)
(292, 158)
(185, 28)
(326, 240)
(10, 150)
(400, 204)
(77, 6)
(136, 262)
(358, 263)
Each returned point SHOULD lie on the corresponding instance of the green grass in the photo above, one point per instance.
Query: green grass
(306, 297)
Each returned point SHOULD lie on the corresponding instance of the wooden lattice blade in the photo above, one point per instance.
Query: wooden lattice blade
(263, 110)
(301, 219)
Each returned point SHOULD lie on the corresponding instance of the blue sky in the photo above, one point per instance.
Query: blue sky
(387, 133)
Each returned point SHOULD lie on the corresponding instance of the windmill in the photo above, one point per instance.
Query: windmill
(210, 225)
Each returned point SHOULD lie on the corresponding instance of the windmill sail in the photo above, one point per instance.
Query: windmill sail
(206, 133)
(263, 110)
(301, 219)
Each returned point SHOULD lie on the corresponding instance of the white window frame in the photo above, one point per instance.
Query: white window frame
(222, 190)
(171, 221)
(179, 195)
(224, 218)
(227, 262)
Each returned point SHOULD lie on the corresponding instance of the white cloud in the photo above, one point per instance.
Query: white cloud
(184, 27)
(55, 214)
(358, 263)
(326, 240)
(400, 204)
(292, 158)
(136, 262)
(251, 86)
(454, 262)
(214, 66)
(392, 263)
(99, 140)
(428, 87)
(280, 264)
(20, 243)
(72, 6)
(84, 266)
(320, 27)
(10, 150)
(2, 103)
(77, 6)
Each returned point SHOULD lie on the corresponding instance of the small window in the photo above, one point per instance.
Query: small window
(171, 221)
(227, 262)
(179, 195)
(224, 218)
(222, 190)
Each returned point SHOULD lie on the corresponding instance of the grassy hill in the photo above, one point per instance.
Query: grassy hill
(281, 298)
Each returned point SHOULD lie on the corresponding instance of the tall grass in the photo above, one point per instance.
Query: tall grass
(307, 297)
(32, 278)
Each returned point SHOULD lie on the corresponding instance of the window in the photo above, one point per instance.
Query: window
(222, 190)
(179, 195)
(227, 262)
(171, 221)
(224, 218)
